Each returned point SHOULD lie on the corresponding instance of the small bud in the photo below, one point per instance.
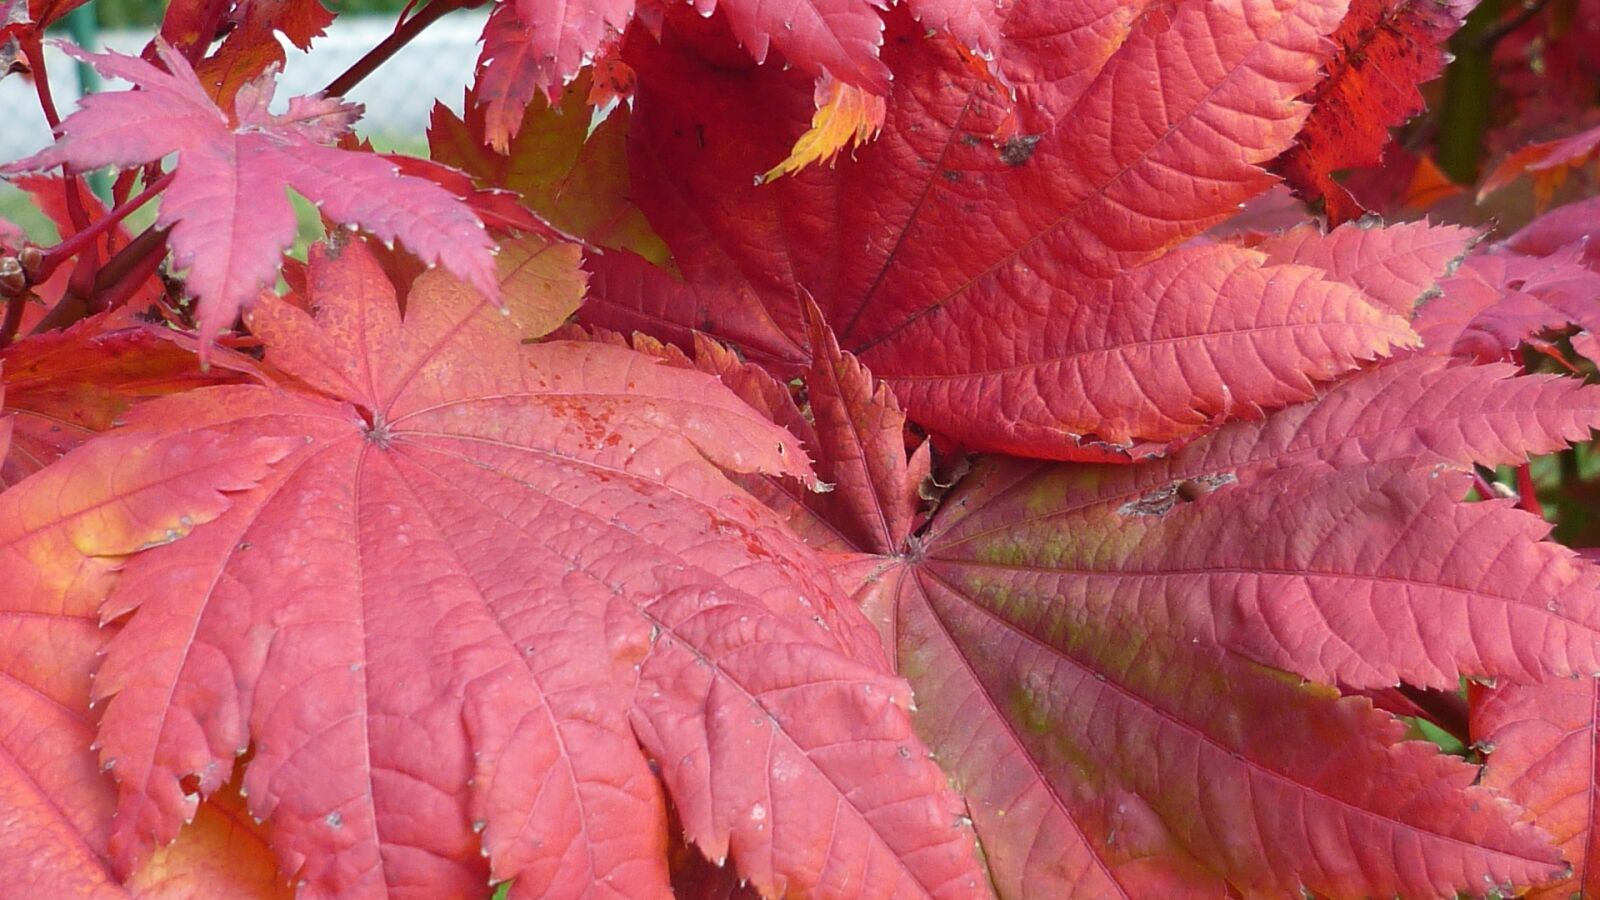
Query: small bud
(31, 258)
(13, 281)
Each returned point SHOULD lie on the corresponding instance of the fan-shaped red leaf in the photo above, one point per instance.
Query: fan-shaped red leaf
(1047, 676)
(1068, 315)
(228, 207)
(486, 569)
(63, 534)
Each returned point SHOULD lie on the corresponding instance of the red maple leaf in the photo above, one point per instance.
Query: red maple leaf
(441, 588)
(1540, 742)
(251, 46)
(534, 46)
(490, 572)
(1385, 49)
(1547, 162)
(1041, 279)
(64, 533)
(227, 207)
(65, 386)
(1040, 618)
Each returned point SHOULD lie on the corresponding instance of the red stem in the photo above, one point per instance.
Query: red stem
(141, 255)
(1485, 489)
(1528, 497)
(123, 186)
(110, 294)
(389, 46)
(152, 242)
(34, 48)
(70, 247)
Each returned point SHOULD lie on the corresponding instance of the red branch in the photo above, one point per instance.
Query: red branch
(34, 48)
(70, 247)
(389, 46)
(1527, 494)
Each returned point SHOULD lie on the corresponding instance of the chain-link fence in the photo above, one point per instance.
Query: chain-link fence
(436, 65)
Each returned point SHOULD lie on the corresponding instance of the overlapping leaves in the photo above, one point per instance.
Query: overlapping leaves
(1386, 50)
(453, 593)
(484, 569)
(63, 535)
(1037, 277)
(1539, 739)
(228, 205)
(1085, 640)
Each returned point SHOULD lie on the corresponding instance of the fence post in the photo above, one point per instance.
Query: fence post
(84, 25)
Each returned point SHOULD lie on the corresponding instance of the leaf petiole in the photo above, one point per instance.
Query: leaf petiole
(403, 34)
(75, 244)
(34, 48)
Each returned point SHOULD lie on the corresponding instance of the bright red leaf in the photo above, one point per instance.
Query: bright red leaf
(1548, 163)
(251, 45)
(1385, 50)
(1364, 578)
(1046, 54)
(1102, 741)
(1037, 279)
(634, 599)
(574, 177)
(861, 449)
(537, 46)
(488, 567)
(228, 207)
(65, 386)
(1399, 266)
(64, 533)
(514, 66)
(301, 21)
(1162, 766)
(1498, 301)
(1541, 746)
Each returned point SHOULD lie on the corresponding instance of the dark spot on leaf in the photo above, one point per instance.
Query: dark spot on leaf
(1017, 150)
